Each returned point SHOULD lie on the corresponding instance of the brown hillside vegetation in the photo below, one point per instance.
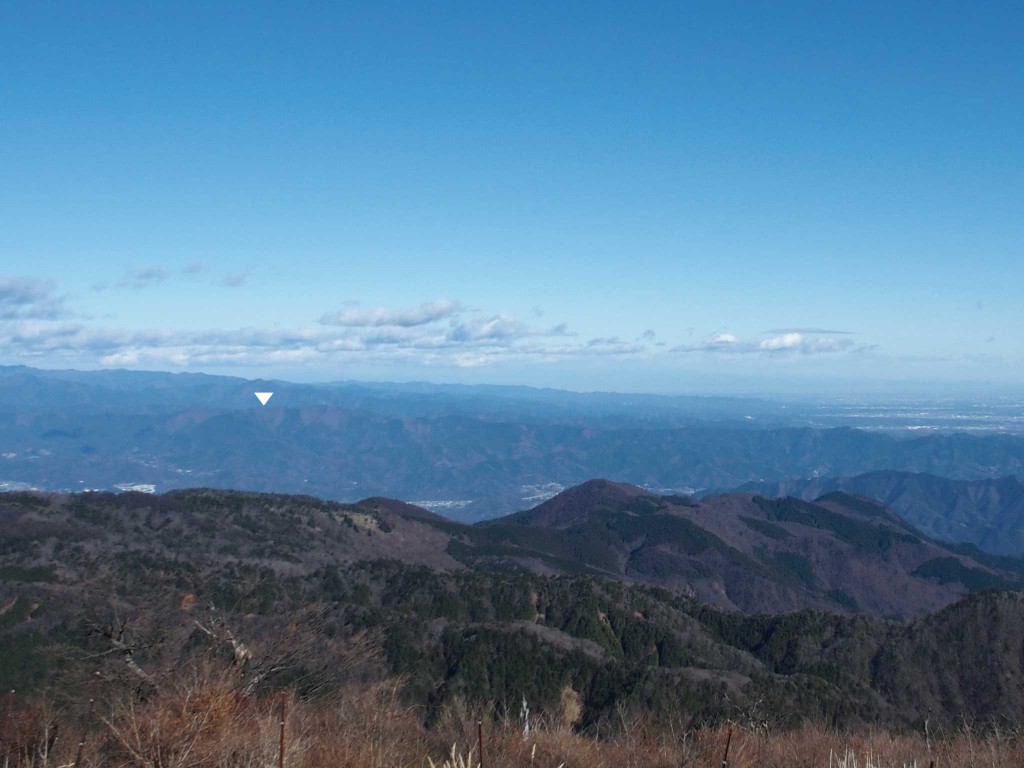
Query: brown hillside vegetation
(334, 603)
(203, 721)
(736, 551)
(742, 552)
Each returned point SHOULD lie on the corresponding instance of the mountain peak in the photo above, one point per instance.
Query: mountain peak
(601, 487)
(578, 503)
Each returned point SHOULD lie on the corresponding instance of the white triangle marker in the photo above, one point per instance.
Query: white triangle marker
(263, 397)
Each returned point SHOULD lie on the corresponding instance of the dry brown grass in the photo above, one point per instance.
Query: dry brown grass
(201, 720)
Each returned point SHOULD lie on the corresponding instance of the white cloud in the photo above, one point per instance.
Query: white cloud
(143, 278)
(809, 331)
(443, 332)
(716, 343)
(783, 343)
(498, 327)
(29, 299)
(612, 346)
(415, 336)
(403, 318)
(812, 346)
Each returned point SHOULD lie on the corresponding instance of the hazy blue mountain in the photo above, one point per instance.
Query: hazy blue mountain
(24, 389)
(986, 512)
(471, 453)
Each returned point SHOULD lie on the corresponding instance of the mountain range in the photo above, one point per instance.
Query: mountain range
(473, 454)
(618, 593)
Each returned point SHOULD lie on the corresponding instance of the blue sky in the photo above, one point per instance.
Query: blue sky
(659, 197)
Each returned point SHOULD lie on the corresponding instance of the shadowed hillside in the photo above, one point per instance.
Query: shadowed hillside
(988, 513)
(739, 551)
(493, 612)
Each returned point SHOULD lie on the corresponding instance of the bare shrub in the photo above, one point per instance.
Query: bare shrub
(202, 717)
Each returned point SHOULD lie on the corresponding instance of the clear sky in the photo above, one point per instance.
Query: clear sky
(622, 196)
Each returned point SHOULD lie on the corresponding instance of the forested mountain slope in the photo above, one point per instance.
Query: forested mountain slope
(82, 578)
(988, 512)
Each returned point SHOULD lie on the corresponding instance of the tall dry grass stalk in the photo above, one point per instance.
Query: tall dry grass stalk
(201, 719)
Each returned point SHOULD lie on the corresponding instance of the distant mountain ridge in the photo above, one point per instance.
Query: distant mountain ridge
(987, 512)
(346, 455)
(24, 389)
(475, 453)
